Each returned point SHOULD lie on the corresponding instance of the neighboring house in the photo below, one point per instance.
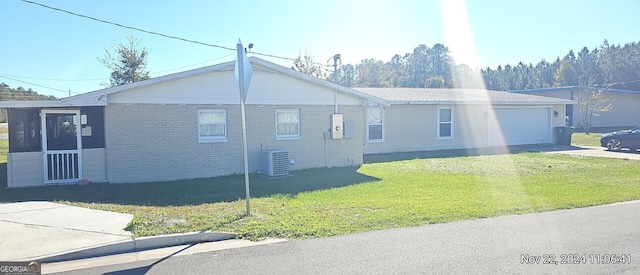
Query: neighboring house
(186, 125)
(435, 119)
(624, 113)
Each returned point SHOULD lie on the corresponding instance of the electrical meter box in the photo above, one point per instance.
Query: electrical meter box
(337, 131)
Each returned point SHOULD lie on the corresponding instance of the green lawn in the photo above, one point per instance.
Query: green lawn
(326, 202)
(582, 139)
(4, 149)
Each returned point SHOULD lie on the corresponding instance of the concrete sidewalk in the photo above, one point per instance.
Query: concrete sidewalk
(51, 232)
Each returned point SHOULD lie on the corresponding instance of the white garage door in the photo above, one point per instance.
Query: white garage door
(513, 126)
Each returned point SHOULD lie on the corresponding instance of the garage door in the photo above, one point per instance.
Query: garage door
(513, 126)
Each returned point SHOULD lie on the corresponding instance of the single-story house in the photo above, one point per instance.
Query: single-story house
(188, 125)
(624, 113)
(435, 119)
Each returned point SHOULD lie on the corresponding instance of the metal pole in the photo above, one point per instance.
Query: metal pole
(244, 125)
(246, 161)
(335, 80)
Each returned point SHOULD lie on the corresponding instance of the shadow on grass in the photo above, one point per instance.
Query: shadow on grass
(190, 192)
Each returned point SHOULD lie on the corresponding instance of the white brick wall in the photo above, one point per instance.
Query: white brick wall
(153, 142)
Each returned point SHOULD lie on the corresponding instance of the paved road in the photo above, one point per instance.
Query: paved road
(486, 246)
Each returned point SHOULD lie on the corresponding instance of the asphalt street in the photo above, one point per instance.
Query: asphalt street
(577, 241)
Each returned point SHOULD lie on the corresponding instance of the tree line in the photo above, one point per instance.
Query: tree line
(610, 66)
(7, 93)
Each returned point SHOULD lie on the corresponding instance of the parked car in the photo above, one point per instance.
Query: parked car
(615, 141)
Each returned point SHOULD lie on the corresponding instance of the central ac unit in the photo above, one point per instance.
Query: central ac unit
(275, 163)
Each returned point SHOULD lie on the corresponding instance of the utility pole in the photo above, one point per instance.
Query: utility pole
(336, 57)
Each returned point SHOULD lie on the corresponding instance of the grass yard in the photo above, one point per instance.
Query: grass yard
(326, 202)
(4, 149)
(582, 139)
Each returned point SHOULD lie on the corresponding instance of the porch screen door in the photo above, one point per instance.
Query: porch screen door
(62, 144)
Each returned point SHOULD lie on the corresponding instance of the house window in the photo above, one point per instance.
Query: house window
(287, 123)
(212, 125)
(375, 124)
(445, 123)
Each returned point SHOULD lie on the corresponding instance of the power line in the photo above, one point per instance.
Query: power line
(622, 82)
(271, 55)
(38, 85)
(128, 27)
(150, 32)
(103, 79)
(54, 79)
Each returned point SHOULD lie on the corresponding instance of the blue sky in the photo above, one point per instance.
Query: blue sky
(59, 50)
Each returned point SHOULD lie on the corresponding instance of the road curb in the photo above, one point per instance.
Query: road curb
(140, 244)
(144, 243)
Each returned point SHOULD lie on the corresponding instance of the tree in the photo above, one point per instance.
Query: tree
(370, 72)
(346, 75)
(592, 102)
(465, 77)
(442, 63)
(434, 82)
(306, 64)
(129, 64)
(7, 93)
(566, 73)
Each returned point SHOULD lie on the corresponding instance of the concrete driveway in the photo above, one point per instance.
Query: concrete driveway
(36, 230)
(588, 151)
(501, 150)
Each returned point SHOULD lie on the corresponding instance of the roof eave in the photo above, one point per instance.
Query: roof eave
(30, 104)
(405, 102)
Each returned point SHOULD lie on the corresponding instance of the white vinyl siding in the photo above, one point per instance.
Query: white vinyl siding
(94, 164)
(375, 124)
(267, 88)
(212, 125)
(25, 169)
(287, 123)
(445, 123)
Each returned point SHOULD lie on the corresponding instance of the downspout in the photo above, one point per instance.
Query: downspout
(335, 101)
(336, 57)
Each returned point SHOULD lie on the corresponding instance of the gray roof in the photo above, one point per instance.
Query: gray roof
(457, 96)
(573, 88)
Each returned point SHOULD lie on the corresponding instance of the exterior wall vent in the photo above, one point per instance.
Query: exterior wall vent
(275, 163)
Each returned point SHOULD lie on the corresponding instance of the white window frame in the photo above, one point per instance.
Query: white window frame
(285, 137)
(206, 139)
(439, 122)
(369, 109)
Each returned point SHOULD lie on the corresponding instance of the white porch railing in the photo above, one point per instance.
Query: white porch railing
(62, 166)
